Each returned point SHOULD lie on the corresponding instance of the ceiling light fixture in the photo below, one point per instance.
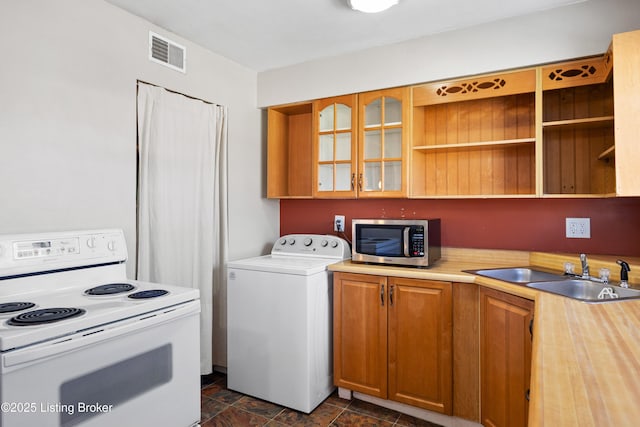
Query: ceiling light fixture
(371, 6)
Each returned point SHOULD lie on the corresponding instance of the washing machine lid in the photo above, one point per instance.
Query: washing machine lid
(299, 265)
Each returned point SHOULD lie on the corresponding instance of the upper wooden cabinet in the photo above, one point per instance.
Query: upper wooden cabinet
(626, 94)
(335, 147)
(568, 129)
(475, 137)
(342, 147)
(577, 128)
(384, 121)
(289, 151)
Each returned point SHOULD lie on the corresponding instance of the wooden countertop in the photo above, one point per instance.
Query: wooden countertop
(586, 356)
(585, 363)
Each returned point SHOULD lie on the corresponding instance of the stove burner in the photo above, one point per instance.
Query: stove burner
(45, 315)
(151, 293)
(110, 289)
(10, 307)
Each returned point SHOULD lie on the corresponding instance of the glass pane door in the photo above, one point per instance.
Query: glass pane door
(382, 145)
(335, 171)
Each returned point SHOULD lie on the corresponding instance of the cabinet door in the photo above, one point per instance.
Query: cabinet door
(626, 91)
(335, 147)
(505, 353)
(382, 155)
(420, 330)
(360, 333)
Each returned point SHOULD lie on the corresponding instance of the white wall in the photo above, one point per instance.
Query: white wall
(68, 123)
(573, 31)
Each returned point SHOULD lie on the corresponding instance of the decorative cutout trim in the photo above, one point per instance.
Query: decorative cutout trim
(471, 87)
(583, 71)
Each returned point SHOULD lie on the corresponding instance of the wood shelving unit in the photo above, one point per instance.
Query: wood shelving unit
(546, 131)
(475, 138)
(289, 140)
(481, 144)
(578, 140)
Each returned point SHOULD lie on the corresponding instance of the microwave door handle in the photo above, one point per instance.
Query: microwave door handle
(406, 241)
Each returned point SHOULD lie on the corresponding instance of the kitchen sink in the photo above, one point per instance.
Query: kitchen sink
(521, 275)
(586, 290)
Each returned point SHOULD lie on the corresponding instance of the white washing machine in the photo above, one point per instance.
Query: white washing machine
(279, 321)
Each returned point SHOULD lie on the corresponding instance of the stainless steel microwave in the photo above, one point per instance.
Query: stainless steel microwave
(412, 242)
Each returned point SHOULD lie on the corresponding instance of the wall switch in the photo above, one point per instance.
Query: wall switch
(338, 223)
(578, 228)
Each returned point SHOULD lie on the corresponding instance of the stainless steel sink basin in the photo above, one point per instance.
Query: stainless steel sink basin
(521, 275)
(586, 290)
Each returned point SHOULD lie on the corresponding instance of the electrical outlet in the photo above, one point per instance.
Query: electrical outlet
(338, 223)
(578, 228)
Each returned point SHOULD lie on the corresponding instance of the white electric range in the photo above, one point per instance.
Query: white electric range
(80, 344)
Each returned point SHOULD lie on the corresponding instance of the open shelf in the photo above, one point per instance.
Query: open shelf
(480, 144)
(289, 140)
(608, 153)
(478, 148)
(586, 123)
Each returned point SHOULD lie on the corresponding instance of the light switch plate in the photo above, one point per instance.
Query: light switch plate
(578, 228)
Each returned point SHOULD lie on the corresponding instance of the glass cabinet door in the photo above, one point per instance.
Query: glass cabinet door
(336, 147)
(382, 146)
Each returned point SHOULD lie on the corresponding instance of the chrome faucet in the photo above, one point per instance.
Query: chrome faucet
(585, 266)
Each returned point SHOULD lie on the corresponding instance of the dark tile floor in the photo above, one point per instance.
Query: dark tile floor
(223, 407)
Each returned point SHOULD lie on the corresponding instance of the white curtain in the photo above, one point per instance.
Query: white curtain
(182, 198)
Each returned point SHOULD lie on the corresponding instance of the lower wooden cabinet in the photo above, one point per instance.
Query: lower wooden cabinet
(505, 358)
(393, 339)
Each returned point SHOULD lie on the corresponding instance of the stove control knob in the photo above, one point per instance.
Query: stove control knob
(283, 241)
(91, 242)
(308, 241)
(334, 243)
(324, 243)
(291, 241)
(111, 245)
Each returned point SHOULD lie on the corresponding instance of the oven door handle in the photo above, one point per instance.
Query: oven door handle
(31, 354)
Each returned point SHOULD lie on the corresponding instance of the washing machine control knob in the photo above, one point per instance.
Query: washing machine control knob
(308, 241)
(283, 241)
(324, 243)
(334, 243)
(291, 241)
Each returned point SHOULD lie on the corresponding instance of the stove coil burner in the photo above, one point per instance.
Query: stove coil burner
(151, 293)
(10, 307)
(45, 315)
(110, 289)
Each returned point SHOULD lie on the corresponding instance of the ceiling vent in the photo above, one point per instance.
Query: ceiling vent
(167, 52)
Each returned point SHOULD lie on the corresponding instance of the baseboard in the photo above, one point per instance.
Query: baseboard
(423, 414)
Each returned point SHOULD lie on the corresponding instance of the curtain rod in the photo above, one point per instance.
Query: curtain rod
(174, 91)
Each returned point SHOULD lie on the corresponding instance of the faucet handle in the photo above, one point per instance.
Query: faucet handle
(604, 275)
(624, 273)
(569, 268)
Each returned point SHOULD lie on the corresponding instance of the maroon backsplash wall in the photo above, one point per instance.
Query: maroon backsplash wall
(517, 224)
